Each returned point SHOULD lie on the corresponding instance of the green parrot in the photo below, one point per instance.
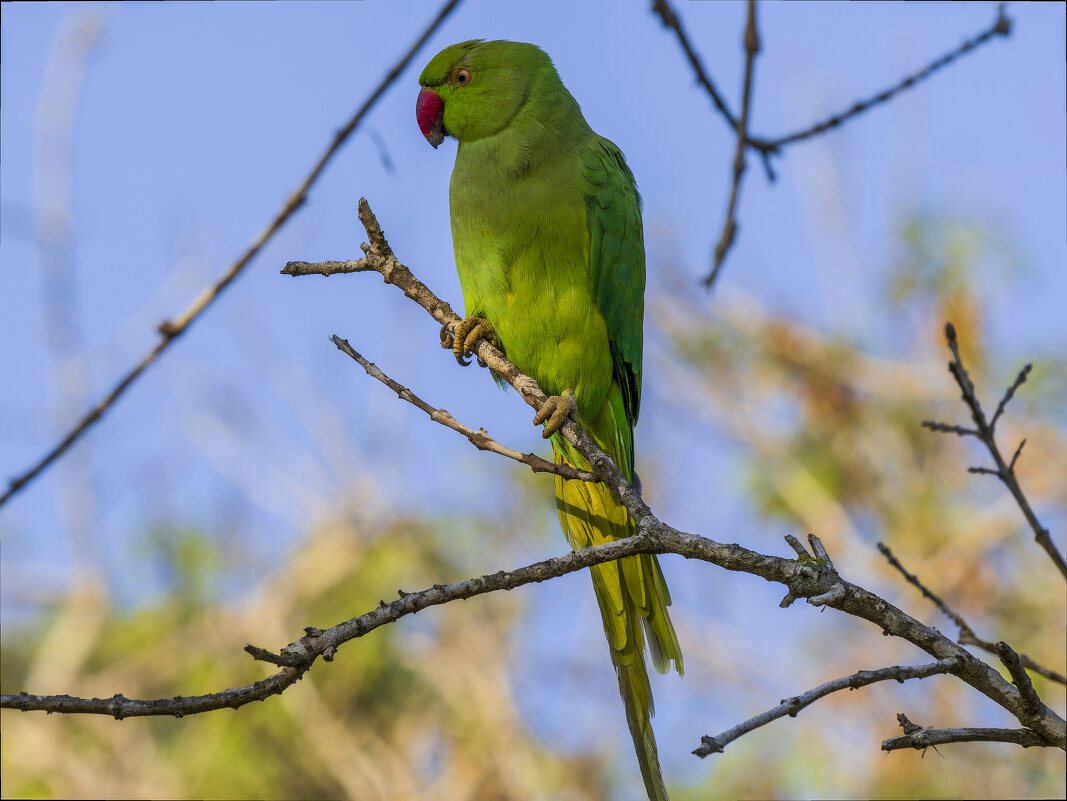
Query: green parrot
(546, 226)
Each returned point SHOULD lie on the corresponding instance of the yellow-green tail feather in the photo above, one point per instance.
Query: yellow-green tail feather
(631, 593)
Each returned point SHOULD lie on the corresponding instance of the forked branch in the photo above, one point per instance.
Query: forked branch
(767, 148)
(967, 634)
(922, 738)
(480, 438)
(985, 431)
(791, 706)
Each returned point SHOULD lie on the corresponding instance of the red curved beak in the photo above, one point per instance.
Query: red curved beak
(429, 109)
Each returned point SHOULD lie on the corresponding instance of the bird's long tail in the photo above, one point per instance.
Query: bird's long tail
(631, 593)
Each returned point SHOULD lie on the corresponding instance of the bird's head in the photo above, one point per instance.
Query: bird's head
(474, 89)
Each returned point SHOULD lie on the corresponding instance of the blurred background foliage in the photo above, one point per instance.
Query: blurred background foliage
(443, 705)
(426, 710)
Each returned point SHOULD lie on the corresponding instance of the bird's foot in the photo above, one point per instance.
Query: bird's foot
(555, 411)
(462, 339)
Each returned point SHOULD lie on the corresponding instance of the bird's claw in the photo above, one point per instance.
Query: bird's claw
(465, 335)
(554, 412)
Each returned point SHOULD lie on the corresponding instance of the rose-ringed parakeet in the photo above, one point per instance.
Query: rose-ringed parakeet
(546, 225)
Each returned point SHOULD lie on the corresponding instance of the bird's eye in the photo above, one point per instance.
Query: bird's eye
(462, 77)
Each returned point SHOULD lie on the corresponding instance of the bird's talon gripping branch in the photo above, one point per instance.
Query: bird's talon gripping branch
(446, 337)
(555, 411)
(464, 337)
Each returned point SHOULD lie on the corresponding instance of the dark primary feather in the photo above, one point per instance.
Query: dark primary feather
(617, 256)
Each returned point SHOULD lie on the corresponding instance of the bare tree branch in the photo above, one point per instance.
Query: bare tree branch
(791, 706)
(985, 432)
(1031, 701)
(812, 578)
(119, 706)
(670, 20)
(324, 268)
(967, 634)
(729, 228)
(771, 147)
(480, 438)
(1000, 27)
(922, 738)
(297, 657)
(1018, 382)
(170, 330)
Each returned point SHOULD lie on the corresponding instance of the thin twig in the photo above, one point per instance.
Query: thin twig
(766, 147)
(912, 579)
(946, 428)
(931, 738)
(670, 20)
(1018, 382)
(729, 227)
(984, 430)
(1020, 678)
(791, 706)
(967, 634)
(1000, 27)
(170, 330)
(324, 268)
(480, 438)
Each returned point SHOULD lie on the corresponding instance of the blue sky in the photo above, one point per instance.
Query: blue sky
(195, 121)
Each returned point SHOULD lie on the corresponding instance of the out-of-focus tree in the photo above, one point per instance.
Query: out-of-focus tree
(427, 710)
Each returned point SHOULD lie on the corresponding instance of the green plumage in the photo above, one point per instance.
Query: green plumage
(546, 225)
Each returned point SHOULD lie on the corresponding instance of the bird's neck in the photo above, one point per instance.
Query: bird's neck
(549, 123)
